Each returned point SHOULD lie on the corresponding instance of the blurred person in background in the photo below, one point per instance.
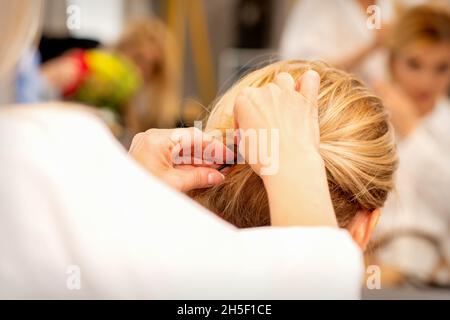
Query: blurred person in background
(99, 78)
(338, 32)
(414, 234)
(151, 47)
(72, 199)
(135, 83)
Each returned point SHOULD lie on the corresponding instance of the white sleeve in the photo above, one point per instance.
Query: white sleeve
(75, 209)
(419, 203)
(307, 30)
(424, 158)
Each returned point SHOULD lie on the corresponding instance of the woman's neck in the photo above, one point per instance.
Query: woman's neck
(424, 109)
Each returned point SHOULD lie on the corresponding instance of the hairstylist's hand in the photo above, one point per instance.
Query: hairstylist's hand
(285, 108)
(186, 159)
(298, 191)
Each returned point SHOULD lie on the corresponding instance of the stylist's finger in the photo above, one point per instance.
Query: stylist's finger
(309, 86)
(285, 81)
(194, 143)
(243, 105)
(194, 178)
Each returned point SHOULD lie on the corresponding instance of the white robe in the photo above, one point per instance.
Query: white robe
(331, 30)
(421, 199)
(75, 209)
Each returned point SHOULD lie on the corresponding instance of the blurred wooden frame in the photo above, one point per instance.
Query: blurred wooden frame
(191, 13)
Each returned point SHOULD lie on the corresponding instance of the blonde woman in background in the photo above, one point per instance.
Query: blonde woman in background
(73, 202)
(151, 47)
(414, 232)
(147, 54)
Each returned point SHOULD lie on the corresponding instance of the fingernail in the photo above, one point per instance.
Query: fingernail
(312, 74)
(215, 178)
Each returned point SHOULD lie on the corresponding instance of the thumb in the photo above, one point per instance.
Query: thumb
(197, 178)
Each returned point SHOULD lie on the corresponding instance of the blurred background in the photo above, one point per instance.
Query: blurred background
(191, 50)
(207, 32)
(141, 64)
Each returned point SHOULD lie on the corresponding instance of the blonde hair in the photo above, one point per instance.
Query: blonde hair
(163, 90)
(356, 143)
(429, 22)
(20, 25)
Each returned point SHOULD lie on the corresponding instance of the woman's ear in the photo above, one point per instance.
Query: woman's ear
(363, 225)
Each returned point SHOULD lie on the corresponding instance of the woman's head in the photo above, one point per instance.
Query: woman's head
(356, 143)
(149, 44)
(144, 43)
(420, 54)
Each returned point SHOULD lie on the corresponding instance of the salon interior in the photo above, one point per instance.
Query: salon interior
(142, 64)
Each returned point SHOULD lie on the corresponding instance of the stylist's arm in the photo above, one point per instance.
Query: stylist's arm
(297, 190)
